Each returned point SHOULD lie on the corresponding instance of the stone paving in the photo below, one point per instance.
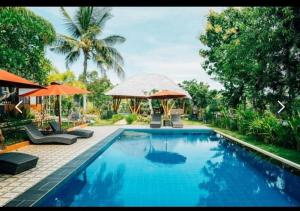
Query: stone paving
(51, 157)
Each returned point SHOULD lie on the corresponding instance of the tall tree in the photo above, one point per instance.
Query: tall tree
(85, 28)
(98, 86)
(23, 38)
(254, 52)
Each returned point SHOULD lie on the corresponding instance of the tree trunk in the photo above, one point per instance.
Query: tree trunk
(84, 78)
(85, 59)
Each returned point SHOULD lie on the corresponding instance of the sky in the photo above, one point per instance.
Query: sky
(161, 40)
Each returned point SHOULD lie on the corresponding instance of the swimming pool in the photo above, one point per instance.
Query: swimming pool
(176, 168)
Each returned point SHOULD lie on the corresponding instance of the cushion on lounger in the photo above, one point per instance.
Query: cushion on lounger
(82, 133)
(15, 162)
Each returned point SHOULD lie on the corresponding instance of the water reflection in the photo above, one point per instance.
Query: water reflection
(97, 187)
(103, 191)
(229, 180)
(62, 199)
(164, 156)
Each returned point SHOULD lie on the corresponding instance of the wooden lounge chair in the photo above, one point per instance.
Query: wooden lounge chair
(155, 121)
(176, 121)
(37, 137)
(16, 162)
(78, 132)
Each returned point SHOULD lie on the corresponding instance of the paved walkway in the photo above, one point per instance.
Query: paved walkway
(51, 157)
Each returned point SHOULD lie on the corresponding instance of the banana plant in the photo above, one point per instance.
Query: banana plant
(294, 123)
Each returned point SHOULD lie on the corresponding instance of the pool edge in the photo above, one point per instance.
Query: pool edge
(262, 151)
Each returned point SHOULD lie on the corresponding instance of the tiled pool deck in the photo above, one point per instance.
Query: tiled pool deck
(51, 158)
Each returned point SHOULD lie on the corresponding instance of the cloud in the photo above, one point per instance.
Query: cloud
(172, 61)
(159, 40)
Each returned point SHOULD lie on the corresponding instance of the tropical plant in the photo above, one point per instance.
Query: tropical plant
(98, 86)
(294, 123)
(266, 128)
(85, 28)
(117, 117)
(244, 118)
(23, 38)
(143, 119)
(131, 118)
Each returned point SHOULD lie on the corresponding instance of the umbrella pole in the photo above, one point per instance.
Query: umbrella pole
(59, 111)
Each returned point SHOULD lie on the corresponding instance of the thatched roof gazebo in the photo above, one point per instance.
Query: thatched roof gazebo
(140, 87)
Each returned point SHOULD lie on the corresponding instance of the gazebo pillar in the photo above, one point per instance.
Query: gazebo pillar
(134, 105)
(116, 104)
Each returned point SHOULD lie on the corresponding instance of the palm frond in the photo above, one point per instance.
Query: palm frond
(101, 15)
(99, 60)
(112, 60)
(72, 57)
(110, 53)
(114, 39)
(84, 18)
(91, 33)
(72, 27)
(64, 44)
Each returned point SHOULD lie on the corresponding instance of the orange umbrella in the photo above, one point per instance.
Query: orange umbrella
(58, 90)
(12, 80)
(164, 95)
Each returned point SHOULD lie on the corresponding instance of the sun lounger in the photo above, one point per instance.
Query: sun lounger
(155, 121)
(77, 132)
(15, 162)
(176, 121)
(37, 137)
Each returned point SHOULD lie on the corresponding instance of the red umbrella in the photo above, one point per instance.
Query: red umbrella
(11, 80)
(58, 90)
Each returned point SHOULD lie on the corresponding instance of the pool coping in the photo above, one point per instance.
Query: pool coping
(33, 195)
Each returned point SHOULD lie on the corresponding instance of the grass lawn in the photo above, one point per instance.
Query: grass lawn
(289, 154)
(102, 122)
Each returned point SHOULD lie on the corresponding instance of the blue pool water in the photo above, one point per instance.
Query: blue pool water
(151, 168)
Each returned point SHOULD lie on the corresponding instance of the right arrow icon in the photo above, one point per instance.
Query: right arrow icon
(281, 105)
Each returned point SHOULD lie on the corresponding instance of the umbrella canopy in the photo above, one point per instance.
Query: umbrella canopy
(56, 89)
(167, 94)
(11, 80)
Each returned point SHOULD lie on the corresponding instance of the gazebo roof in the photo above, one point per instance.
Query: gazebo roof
(141, 85)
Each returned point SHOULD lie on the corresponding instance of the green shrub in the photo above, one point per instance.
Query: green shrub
(145, 119)
(294, 125)
(267, 128)
(117, 117)
(106, 114)
(244, 118)
(131, 118)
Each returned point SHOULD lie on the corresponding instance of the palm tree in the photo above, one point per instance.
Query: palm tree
(85, 28)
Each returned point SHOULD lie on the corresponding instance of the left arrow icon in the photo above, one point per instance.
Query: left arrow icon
(18, 105)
